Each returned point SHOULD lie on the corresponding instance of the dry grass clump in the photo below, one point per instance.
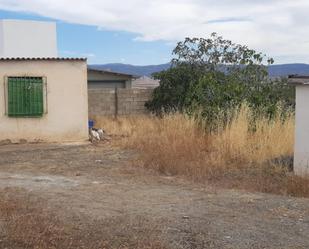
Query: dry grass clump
(234, 156)
(25, 222)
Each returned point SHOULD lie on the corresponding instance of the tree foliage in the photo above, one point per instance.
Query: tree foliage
(216, 51)
(213, 76)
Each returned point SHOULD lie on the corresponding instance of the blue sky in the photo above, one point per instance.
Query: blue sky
(145, 31)
(101, 46)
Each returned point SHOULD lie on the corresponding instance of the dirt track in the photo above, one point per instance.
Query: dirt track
(102, 183)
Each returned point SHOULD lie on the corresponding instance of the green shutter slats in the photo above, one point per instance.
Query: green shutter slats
(25, 97)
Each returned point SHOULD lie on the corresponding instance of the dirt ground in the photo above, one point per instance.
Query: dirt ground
(82, 183)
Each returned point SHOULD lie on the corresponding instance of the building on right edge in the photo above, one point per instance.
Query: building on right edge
(301, 151)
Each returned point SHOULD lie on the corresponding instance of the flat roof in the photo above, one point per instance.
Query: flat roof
(296, 76)
(110, 72)
(298, 79)
(41, 59)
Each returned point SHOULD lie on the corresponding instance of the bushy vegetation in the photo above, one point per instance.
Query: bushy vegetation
(221, 120)
(212, 77)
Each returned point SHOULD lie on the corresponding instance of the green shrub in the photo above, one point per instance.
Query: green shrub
(211, 77)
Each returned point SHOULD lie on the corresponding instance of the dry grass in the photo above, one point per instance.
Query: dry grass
(233, 157)
(26, 222)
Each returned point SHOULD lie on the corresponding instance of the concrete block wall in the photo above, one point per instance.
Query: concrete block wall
(112, 102)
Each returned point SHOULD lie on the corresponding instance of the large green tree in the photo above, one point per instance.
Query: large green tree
(215, 75)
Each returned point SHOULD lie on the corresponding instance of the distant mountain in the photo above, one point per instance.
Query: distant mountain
(288, 69)
(131, 69)
(274, 70)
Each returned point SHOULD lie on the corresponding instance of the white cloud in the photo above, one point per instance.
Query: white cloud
(278, 27)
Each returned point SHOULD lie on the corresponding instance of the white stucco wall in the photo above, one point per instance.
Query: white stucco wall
(301, 157)
(1, 40)
(21, 38)
(67, 102)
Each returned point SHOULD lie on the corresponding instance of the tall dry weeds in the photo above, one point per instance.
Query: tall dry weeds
(235, 156)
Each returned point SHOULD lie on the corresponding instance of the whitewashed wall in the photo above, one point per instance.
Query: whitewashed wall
(301, 160)
(1, 40)
(20, 38)
(66, 118)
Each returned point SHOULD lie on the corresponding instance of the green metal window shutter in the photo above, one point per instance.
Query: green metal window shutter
(25, 97)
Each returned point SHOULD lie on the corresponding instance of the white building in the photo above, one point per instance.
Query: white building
(301, 154)
(42, 97)
(29, 39)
